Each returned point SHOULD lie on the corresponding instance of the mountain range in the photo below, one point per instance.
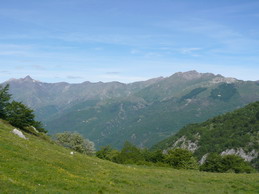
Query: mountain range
(143, 112)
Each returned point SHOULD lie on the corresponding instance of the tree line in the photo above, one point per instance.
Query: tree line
(177, 158)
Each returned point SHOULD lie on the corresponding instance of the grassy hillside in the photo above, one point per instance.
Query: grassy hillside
(37, 165)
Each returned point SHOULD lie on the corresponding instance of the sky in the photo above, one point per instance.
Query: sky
(127, 40)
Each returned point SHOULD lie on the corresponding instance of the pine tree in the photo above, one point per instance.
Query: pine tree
(4, 100)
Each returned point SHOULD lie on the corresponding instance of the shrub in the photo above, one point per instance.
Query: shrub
(130, 154)
(75, 142)
(227, 163)
(107, 153)
(181, 159)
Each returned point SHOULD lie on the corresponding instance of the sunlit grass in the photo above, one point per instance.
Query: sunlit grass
(36, 165)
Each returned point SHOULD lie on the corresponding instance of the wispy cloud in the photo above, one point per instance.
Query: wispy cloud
(74, 77)
(112, 73)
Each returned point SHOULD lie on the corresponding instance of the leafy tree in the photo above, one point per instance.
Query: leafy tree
(234, 163)
(76, 142)
(227, 163)
(181, 159)
(130, 154)
(153, 156)
(213, 163)
(4, 100)
(107, 153)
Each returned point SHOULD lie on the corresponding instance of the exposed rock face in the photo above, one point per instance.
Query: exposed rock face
(203, 159)
(224, 79)
(19, 133)
(35, 130)
(248, 156)
(186, 144)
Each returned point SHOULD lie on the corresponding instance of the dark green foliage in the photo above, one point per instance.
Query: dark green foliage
(19, 115)
(153, 156)
(75, 142)
(224, 92)
(181, 159)
(193, 93)
(130, 154)
(255, 163)
(213, 163)
(4, 100)
(227, 163)
(38, 125)
(107, 153)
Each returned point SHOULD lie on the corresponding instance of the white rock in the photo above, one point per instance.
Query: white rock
(247, 156)
(36, 131)
(187, 144)
(19, 133)
(203, 159)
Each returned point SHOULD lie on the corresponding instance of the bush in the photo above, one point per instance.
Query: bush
(181, 159)
(213, 163)
(130, 154)
(107, 153)
(227, 163)
(75, 142)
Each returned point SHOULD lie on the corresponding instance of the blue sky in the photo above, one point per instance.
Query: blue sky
(127, 40)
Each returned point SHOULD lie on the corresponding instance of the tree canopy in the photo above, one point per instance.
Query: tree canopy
(16, 113)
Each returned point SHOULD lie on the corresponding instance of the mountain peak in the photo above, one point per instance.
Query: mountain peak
(28, 78)
(193, 74)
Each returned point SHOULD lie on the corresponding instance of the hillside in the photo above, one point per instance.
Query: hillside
(38, 165)
(141, 112)
(235, 132)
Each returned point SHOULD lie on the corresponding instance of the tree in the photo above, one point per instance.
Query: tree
(107, 153)
(4, 100)
(213, 163)
(19, 115)
(130, 154)
(153, 156)
(76, 142)
(227, 163)
(234, 163)
(181, 159)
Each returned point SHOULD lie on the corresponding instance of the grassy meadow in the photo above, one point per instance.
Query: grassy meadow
(37, 165)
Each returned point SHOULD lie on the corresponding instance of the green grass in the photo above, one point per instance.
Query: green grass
(37, 165)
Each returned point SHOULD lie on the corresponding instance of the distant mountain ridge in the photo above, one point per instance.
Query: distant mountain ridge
(143, 112)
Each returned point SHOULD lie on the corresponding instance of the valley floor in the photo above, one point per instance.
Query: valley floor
(36, 165)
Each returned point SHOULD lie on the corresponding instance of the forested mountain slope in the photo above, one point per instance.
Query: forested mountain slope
(236, 132)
